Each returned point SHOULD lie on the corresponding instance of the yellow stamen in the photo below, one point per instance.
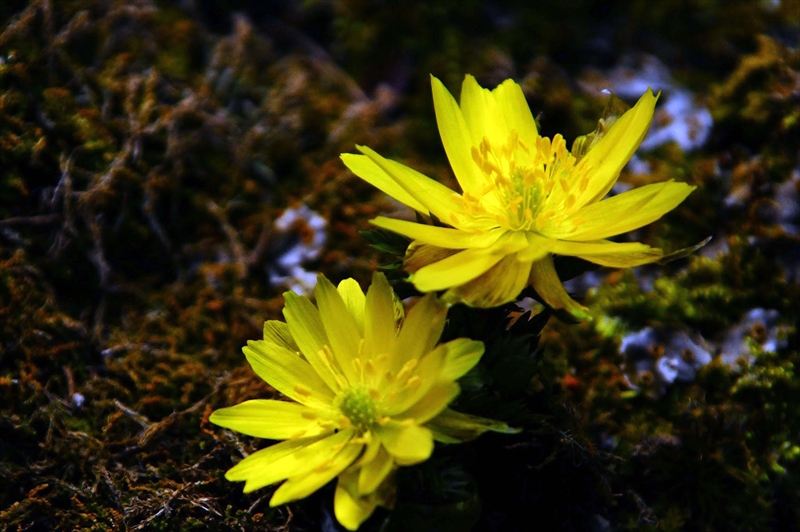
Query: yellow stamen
(413, 382)
(299, 389)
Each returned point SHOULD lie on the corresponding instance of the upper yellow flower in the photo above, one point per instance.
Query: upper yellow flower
(525, 198)
(370, 393)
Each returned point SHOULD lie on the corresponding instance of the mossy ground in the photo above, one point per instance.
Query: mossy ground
(146, 150)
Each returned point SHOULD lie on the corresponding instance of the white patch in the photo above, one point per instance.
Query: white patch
(287, 268)
(678, 117)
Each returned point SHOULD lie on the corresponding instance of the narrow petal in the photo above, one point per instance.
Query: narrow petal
(627, 211)
(306, 481)
(538, 246)
(455, 270)
(278, 332)
(482, 114)
(350, 510)
(516, 110)
(340, 327)
(373, 473)
(461, 355)
(432, 403)
(379, 319)
(266, 418)
(369, 171)
(454, 427)
(612, 254)
(260, 462)
(305, 325)
(444, 237)
(456, 138)
(408, 390)
(371, 449)
(435, 197)
(466, 265)
(279, 461)
(354, 300)
(407, 442)
(288, 373)
(353, 509)
(545, 281)
(419, 255)
(613, 151)
(498, 285)
(421, 329)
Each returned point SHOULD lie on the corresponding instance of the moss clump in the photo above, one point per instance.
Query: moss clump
(144, 160)
(708, 295)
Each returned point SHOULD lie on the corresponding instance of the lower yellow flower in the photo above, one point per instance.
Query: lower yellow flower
(369, 393)
(525, 198)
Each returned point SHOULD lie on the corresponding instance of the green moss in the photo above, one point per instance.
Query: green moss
(710, 294)
(144, 158)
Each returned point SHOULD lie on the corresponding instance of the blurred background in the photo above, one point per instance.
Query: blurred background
(168, 169)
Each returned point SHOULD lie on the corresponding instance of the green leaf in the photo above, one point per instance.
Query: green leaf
(386, 241)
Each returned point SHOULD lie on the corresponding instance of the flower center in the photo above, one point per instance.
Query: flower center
(526, 185)
(358, 404)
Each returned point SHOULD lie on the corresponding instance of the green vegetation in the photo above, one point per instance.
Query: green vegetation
(146, 151)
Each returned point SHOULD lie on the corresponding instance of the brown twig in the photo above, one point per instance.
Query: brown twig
(42, 219)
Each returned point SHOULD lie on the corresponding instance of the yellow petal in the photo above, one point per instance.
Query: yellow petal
(516, 110)
(369, 171)
(454, 427)
(354, 300)
(288, 373)
(284, 459)
(612, 254)
(444, 237)
(538, 246)
(374, 472)
(435, 197)
(306, 480)
(379, 319)
(266, 418)
(260, 462)
(461, 355)
(305, 325)
(407, 442)
(466, 265)
(498, 285)
(419, 255)
(613, 151)
(408, 391)
(340, 327)
(456, 138)
(420, 331)
(545, 281)
(455, 270)
(482, 114)
(432, 403)
(371, 450)
(351, 509)
(627, 211)
(278, 332)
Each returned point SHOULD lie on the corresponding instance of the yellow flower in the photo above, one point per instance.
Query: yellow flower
(525, 198)
(370, 392)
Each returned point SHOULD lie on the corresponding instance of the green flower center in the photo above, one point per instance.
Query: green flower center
(358, 405)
